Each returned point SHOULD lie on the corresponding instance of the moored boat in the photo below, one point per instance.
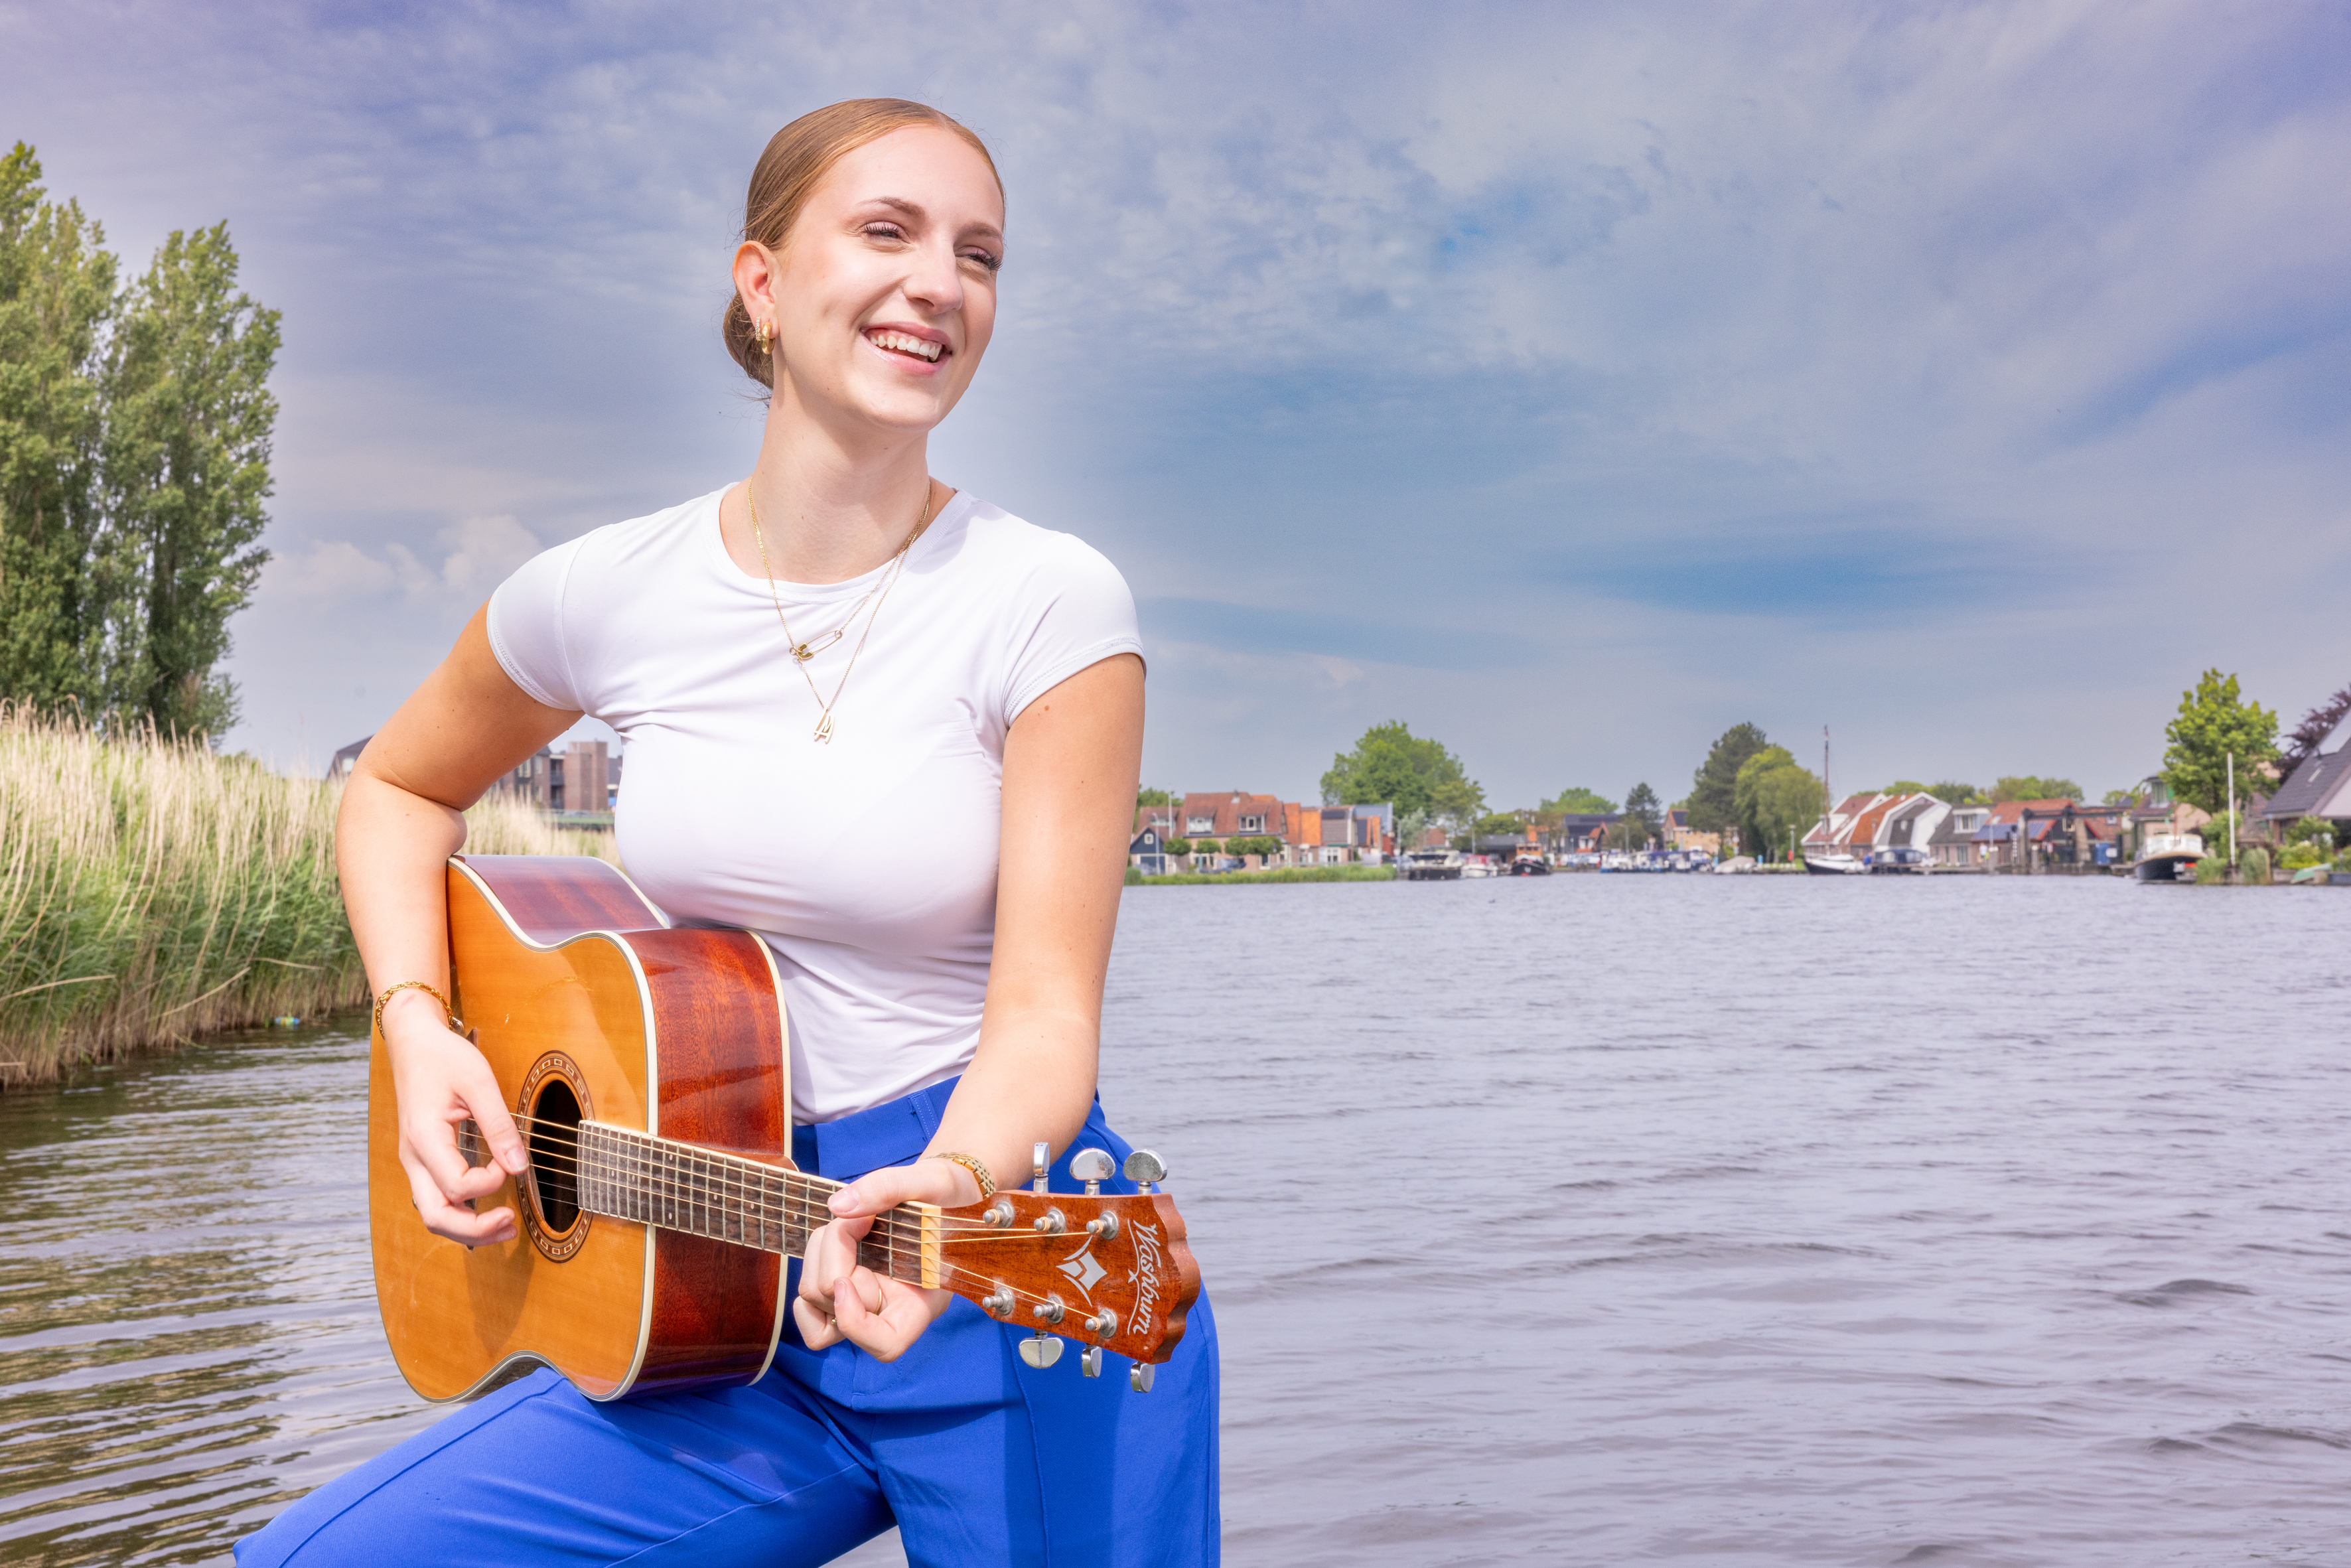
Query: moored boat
(2169, 857)
(1835, 865)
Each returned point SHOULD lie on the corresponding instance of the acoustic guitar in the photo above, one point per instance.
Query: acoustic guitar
(646, 1064)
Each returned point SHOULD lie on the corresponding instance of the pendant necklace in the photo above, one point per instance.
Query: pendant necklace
(802, 653)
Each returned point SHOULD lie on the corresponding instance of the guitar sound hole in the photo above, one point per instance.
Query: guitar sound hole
(554, 1156)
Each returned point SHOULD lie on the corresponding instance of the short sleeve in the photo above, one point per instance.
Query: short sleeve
(1078, 611)
(525, 627)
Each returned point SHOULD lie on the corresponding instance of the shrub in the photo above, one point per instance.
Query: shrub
(2210, 870)
(2253, 866)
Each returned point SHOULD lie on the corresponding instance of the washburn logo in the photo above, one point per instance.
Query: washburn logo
(1146, 1270)
(1081, 1269)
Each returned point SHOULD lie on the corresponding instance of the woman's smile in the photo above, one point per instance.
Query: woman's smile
(920, 344)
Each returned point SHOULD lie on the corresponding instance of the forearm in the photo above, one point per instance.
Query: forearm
(1031, 1081)
(391, 852)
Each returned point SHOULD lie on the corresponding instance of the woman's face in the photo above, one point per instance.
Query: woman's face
(885, 294)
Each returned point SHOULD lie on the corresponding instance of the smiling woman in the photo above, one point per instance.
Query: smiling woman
(942, 987)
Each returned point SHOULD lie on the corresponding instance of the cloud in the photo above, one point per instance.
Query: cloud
(1401, 640)
(333, 576)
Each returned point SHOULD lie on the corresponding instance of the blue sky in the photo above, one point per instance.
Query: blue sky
(1569, 382)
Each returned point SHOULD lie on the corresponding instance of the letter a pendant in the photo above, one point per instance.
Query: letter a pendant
(824, 727)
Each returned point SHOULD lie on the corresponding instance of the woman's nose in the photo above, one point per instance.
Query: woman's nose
(935, 282)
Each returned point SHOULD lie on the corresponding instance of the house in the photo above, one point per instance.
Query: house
(1145, 854)
(1679, 835)
(1878, 823)
(582, 777)
(1952, 842)
(2032, 835)
(1334, 835)
(2320, 787)
(339, 770)
(1578, 833)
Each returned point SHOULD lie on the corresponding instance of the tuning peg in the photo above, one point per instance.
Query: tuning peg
(1146, 1169)
(1040, 1159)
(1090, 1362)
(1040, 1351)
(1092, 1167)
(1139, 1376)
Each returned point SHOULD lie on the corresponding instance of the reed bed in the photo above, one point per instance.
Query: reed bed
(152, 892)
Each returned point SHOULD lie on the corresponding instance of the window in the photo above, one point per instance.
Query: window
(1252, 825)
(1199, 824)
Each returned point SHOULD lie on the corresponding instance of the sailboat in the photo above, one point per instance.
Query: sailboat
(1826, 863)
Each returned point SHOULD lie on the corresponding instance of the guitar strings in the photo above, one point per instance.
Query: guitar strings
(681, 1199)
(740, 1167)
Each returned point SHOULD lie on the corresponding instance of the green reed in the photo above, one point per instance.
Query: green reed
(152, 892)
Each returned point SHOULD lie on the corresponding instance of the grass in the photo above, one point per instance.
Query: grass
(152, 893)
(1281, 873)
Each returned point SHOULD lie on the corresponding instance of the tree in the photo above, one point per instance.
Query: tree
(1774, 798)
(2121, 797)
(1392, 764)
(57, 302)
(1957, 794)
(1152, 798)
(1176, 846)
(189, 423)
(1626, 833)
(1577, 800)
(2215, 722)
(1712, 807)
(1641, 809)
(135, 430)
(2032, 787)
(2312, 732)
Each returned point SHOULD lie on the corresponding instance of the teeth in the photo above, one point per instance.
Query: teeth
(905, 344)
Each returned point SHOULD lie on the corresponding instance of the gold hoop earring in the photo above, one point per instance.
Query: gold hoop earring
(763, 338)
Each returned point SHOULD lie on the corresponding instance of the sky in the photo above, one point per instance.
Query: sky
(1569, 382)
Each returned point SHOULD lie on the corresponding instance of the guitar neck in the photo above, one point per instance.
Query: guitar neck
(633, 1175)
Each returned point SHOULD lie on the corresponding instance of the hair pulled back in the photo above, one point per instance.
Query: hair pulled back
(796, 158)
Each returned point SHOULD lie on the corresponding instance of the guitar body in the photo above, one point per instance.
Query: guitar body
(586, 1004)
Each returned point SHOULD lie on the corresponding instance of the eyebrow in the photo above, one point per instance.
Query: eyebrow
(915, 210)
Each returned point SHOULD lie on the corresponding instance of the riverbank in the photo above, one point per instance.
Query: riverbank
(153, 892)
(1281, 874)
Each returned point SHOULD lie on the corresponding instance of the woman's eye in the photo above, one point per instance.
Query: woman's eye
(984, 258)
(884, 231)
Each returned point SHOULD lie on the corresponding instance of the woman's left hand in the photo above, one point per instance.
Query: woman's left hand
(841, 1299)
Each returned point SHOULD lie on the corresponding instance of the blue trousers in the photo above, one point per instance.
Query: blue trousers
(976, 1457)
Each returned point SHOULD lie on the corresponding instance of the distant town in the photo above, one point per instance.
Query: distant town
(2233, 794)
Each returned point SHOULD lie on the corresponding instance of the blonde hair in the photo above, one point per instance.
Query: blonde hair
(796, 158)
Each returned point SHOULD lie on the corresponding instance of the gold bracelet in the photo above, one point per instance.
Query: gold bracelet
(433, 991)
(979, 1172)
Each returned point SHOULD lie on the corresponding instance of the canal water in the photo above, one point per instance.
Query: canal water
(1580, 1220)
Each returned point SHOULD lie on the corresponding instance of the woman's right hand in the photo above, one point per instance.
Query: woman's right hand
(439, 1080)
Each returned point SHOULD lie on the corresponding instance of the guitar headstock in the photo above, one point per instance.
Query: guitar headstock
(1103, 1271)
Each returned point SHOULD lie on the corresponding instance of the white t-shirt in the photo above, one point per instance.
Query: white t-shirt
(868, 862)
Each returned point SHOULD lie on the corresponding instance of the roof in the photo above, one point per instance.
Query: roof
(2321, 787)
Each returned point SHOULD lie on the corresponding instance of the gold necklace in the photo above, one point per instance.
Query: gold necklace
(802, 653)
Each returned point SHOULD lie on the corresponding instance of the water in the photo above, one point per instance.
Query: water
(1726, 1221)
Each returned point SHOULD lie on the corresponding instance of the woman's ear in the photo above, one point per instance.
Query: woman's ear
(755, 280)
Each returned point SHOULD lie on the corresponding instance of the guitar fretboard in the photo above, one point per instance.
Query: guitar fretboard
(633, 1175)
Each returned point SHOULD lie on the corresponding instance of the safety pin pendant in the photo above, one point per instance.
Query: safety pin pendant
(824, 727)
(809, 650)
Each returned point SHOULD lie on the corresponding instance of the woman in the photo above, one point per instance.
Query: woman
(895, 731)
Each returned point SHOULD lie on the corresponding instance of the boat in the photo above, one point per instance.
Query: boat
(1431, 865)
(1897, 862)
(2169, 857)
(1479, 865)
(1836, 865)
(1529, 864)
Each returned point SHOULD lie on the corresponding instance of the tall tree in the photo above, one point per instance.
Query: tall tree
(57, 299)
(1641, 809)
(1712, 804)
(1392, 764)
(187, 468)
(2215, 722)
